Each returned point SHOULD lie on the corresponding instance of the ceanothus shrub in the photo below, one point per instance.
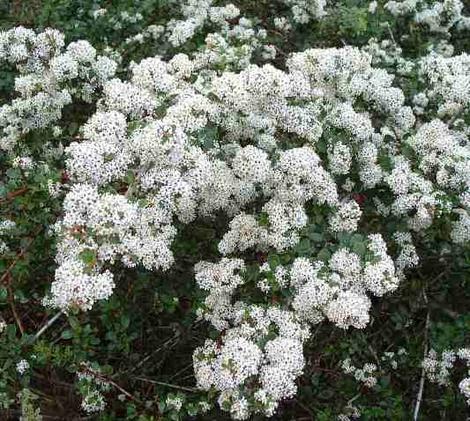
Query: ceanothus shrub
(328, 147)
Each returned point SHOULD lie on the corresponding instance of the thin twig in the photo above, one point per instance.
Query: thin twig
(46, 326)
(11, 300)
(111, 382)
(140, 363)
(180, 371)
(374, 354)
(13, 194)
(304, 407)
(350, 401)
(6, 277)
(18, 257)
(189, 376)
(173, 386)
(391, 34)
(423, 374)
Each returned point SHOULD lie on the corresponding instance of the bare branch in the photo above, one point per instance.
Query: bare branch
(419, 398)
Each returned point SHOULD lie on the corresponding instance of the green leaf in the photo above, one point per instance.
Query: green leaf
(88, 257)
(67, 334)
(317, 237)
(3, 294)
(125, 321)
(324, 255)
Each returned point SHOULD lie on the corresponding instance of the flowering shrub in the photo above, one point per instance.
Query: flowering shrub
(263, 189)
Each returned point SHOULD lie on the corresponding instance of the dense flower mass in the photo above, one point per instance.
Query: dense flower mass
(327, 166)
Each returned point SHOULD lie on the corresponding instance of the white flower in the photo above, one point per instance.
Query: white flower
(22, 366)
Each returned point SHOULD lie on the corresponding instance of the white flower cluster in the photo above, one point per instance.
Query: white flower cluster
(438, 370)
(350, 413)
(93, 402)
(370, 373)
(391, 357)
(442, 16)
(22, 366)
(3, 325)
(91, 387)
(438, 16)
(408, 257)
(232, 45)
(305, 10)
(337, 292)
(196, 13)
(101, 228)
(6, 228)
(49, 78)
(401, 7)
(365, 375)
(174, 402)
(257, 362)
(447, 82)
(388, 54)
